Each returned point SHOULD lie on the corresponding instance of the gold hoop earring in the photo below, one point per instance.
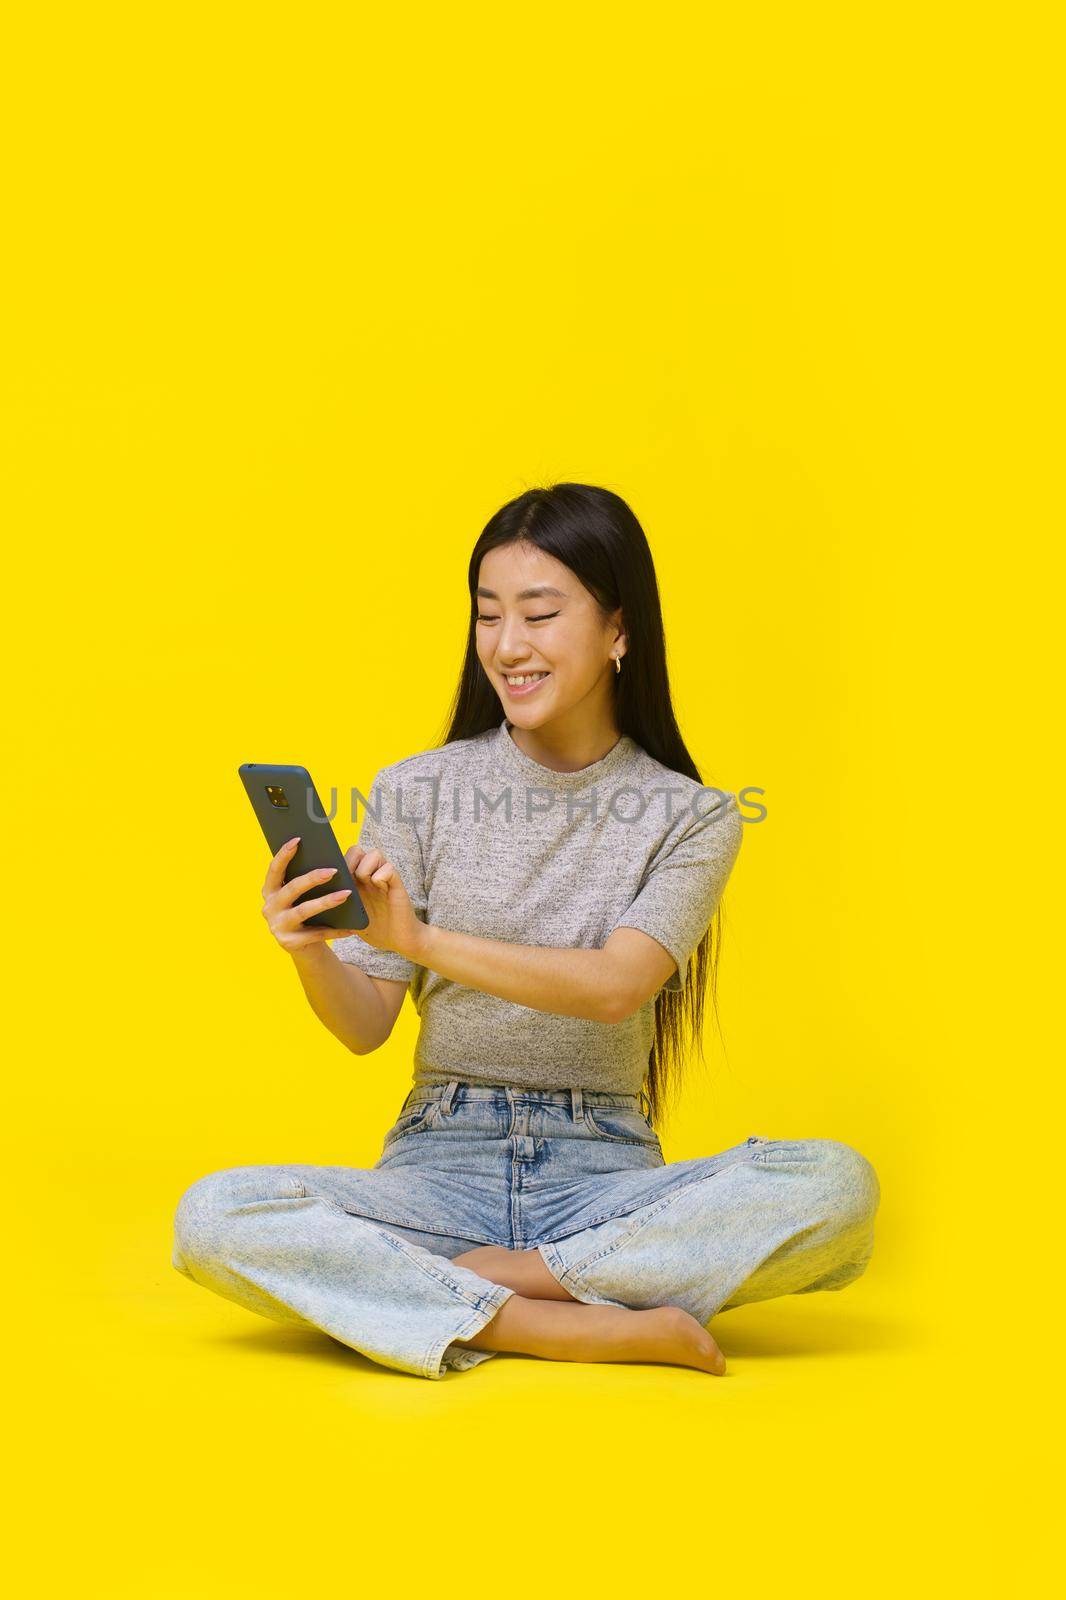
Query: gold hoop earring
(617, 664)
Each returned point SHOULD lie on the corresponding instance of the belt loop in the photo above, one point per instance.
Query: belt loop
(576, 1105)
(447, 1097)
(645, 1101)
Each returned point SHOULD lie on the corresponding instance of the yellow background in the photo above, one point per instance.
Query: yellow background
(295, 299)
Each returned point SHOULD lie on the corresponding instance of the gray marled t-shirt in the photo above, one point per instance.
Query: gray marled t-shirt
(489, 842)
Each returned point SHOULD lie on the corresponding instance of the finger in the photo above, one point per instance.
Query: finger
(307, 880)
(384, 875)
(324, 902)
(276, 871)
(353, 855)
(370, 862)
(281, 899)
(302, 936)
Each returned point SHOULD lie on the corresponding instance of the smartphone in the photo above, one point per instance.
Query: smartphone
(285, 801)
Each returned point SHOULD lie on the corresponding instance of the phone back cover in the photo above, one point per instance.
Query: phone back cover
(318, 845)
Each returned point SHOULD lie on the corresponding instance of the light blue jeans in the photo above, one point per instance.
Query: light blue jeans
(365, 1253)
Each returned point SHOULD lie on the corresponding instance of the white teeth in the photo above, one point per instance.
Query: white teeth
(530, 677)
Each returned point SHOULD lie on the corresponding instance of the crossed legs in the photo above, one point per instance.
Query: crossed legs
(783, 1217)
(534, 1320)
(769, 1218)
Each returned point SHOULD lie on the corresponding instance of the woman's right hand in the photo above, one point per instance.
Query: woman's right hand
(286, 920)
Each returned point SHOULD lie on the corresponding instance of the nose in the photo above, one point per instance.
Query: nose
(511, 645)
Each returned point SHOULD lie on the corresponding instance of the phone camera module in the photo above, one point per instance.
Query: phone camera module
(276, 796)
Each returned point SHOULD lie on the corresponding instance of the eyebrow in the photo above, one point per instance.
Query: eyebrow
(524, 594)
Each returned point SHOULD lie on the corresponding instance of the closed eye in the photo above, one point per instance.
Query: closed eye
(548, 618)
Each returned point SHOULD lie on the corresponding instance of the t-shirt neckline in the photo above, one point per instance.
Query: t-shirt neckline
(546, 777)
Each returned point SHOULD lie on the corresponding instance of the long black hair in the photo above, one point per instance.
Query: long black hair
(594, 532)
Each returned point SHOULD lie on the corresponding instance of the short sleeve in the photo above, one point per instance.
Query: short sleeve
(394, 833)
(681, 890)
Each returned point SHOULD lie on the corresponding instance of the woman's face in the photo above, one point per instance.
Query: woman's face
(559, 632)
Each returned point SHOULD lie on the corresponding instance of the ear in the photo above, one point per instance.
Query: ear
(617, 621)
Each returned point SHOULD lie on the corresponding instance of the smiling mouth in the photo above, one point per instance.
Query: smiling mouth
(529, 687)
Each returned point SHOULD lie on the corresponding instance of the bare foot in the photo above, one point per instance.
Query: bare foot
(668, 1333)
(579, 1332)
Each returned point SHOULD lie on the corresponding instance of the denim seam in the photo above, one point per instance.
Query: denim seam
(626, 1211)
(402, 1247)
(495, 1296)
(396, 1132)
(642, 1222)
(566, 1276)
(587, 1222)
(615, 1138)
(415, 1227)
(473, 1324)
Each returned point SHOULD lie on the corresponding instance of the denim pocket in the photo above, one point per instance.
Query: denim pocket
(411, 1121)
(620, 1125)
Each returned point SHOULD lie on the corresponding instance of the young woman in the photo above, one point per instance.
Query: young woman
(546, 884)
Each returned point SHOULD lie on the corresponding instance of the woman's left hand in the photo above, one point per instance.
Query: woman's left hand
(393, 924)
